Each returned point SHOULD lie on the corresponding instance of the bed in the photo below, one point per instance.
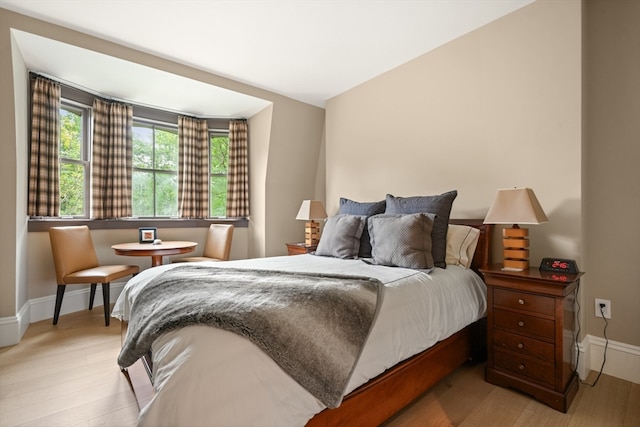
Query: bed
(210, 376)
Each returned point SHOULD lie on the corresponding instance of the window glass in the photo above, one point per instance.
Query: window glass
(166, 143)
(70, 133)
(166, 194)
(218, 164)
(142, 147)
(72, 189)
(155, 170)
(74, 163)
(142, 184)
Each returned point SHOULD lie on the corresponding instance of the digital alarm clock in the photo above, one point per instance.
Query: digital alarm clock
(559, 265)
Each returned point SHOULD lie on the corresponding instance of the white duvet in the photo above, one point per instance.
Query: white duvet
(205, 376)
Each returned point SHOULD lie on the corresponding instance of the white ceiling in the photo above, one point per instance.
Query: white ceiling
(309, 50)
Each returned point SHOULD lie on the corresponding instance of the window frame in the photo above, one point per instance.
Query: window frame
(85, 151)
(75, 96)
(213, 133)
(155, 124)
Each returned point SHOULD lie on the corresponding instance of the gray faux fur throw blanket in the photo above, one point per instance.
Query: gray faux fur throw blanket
(314, 326)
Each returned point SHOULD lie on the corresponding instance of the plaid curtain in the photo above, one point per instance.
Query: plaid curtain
(112, 154)
(193, 168)
(238, 171)
(44, 174)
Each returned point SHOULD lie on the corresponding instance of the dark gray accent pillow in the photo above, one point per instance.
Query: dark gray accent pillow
(341, 236)
(439, 205)
(367, 209)
(402, 240)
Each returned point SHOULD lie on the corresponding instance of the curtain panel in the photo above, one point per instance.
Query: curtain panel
(238, 170)
(193, 168)
(112, 159)
(44, 175)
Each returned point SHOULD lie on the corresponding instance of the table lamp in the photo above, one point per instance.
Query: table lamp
(311, 210)
(515, 206)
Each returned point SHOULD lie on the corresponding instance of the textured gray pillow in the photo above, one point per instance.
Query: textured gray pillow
(367, 209)
(439, 205)
(341, 236)
(402, 240)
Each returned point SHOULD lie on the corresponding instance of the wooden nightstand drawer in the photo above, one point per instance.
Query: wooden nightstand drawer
(524, 301)
(523, 324)
(524, 367)
(523, 345)
(530, 348)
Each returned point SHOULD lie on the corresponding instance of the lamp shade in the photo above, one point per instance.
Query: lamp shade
(310, 210)
(515, 206)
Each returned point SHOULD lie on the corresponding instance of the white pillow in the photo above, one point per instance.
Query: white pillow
(461, 244)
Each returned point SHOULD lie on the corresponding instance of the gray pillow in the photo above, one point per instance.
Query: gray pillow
(367, 209)
(341, 236)
(439, 205)
(402, 240)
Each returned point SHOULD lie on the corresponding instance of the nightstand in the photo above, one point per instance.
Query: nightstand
(300, 248)
(530, 333)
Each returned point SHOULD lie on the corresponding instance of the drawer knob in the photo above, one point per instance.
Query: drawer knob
(521, 301)
(521, 367)
(520, 345)
(521, 323)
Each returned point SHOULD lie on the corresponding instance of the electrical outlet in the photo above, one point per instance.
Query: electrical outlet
(606, 310)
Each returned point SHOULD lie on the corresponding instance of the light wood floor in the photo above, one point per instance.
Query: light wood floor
(66, 375)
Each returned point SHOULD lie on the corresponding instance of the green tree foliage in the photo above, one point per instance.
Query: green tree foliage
(142, 184)
(72, 170)
(166, 157)
(142, 147)
(219, 163)
(155, 171)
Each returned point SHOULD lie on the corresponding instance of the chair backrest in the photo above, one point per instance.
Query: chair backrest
(72, 249)
(218, 243)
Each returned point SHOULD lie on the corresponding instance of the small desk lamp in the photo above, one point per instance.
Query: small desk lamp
(311, 210)
(515, 206)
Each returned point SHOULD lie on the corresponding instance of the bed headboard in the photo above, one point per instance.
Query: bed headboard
(482, 256)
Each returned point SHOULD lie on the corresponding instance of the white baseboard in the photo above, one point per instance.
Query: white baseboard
(13, 328)
(622, 360)
(74, 300)
(37, 309)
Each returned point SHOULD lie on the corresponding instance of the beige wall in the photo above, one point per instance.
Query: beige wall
(291, 167)
(502, 107)
(260, 133)
(276, 169)
(497, 108)
(284, 143)
(611, 165)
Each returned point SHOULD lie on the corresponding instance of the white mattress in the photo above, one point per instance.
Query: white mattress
(210, 377)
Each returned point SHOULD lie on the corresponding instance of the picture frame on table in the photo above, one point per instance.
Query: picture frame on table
(147, 234)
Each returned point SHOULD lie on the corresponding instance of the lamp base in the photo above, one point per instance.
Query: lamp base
(516, 248)
(311, 233)
(515, 265)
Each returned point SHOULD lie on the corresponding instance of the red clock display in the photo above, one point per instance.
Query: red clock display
(559, 265)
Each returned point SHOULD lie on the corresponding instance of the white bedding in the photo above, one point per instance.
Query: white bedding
(210, 377)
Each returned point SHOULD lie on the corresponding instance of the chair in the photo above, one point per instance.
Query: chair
(217, 246)
(76, 263)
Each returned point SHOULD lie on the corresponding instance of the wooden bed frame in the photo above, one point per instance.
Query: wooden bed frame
(382, 397)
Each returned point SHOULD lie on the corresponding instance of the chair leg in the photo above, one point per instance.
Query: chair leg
(59, 295)
(107, 304)
(92, 295)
